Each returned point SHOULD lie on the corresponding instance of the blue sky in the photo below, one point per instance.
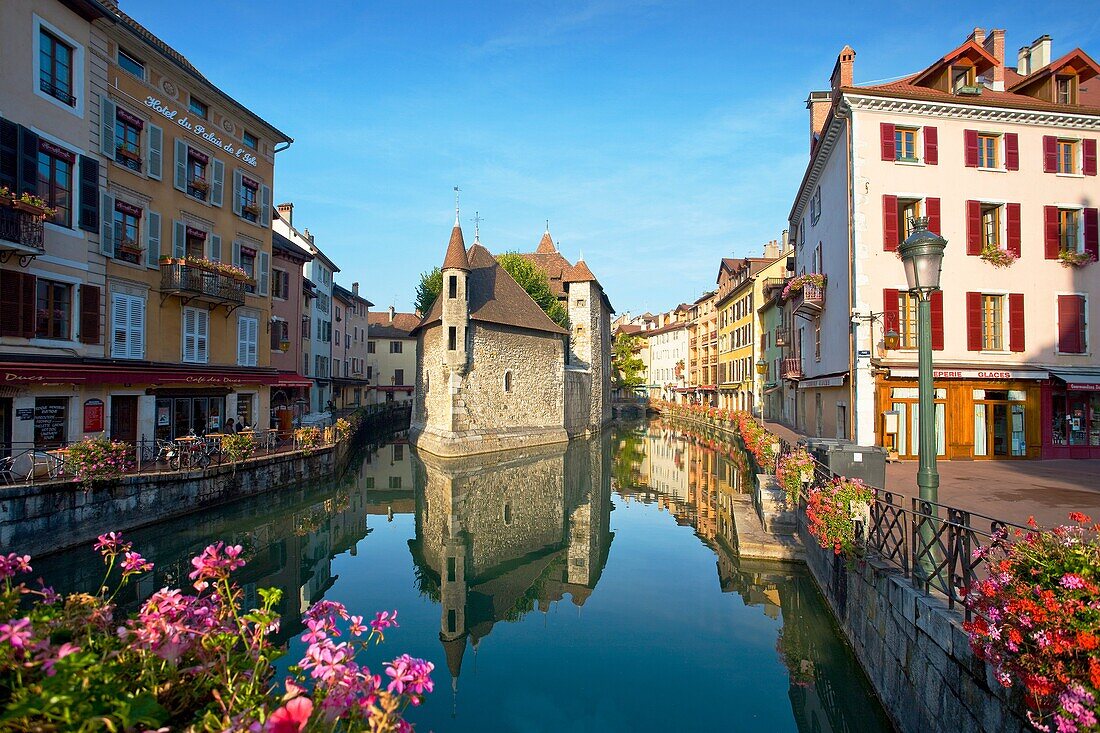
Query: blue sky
(655, 136)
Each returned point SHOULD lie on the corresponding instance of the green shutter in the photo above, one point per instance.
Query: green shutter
(215, 248)
(181, 165)
(217, 184)
(236, 194)
(155, 141)
(265, 206)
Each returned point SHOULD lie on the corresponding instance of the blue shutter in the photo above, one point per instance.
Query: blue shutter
(181, 165)
(152, 238)
(107, 239)
(217, 184)
(155, 143)
(179, 239)
(107, 112)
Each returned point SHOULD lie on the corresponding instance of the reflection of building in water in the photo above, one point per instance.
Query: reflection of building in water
(387, 468)
(499, 534)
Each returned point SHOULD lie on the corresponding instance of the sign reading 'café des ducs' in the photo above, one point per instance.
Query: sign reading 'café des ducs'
(200, 130)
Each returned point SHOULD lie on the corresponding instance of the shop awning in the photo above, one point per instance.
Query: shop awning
(1080, 381)
(28, 374)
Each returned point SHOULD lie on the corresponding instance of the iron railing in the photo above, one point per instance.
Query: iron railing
(21, 227)
(792, 368)
(185, 278)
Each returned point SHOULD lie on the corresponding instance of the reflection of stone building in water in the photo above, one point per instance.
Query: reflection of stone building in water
(388, 468)
(498, 535)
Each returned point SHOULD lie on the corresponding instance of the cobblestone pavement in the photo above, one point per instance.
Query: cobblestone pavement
(1009, 490)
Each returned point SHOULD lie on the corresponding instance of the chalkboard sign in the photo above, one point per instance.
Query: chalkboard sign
(25, 413)
(50, 418)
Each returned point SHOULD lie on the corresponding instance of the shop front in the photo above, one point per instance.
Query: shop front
(981, 414)
(1071, 415)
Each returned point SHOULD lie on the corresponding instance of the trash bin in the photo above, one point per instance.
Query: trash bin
(844, 458)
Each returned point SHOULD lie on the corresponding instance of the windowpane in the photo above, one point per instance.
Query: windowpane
(992, 322)
(53, 310)
(55, 186)
(905, 144)
(1067, 156)
(55, 68)
(1067, 230)
(991, 226)
(130, 64)
(987, 151)
(197, 107)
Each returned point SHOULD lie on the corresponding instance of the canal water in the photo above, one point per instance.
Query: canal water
(588, 587)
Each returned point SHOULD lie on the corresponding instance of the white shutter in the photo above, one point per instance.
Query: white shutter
(107, 214)
(217, 184)
(190, 349)
(107, 112)
(237, 254)
(181, 165)
(215, 248)
(120, 327)
(202, 334)
(137, 327)
(242, 341)
(253, 340)
(179, 239)
(265, 206)
(238, 184)
(263, 262)
(155, 156)
(152, 238)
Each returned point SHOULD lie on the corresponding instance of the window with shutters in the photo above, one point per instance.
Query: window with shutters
(908, 209)
(991, 225)
(127, 231)
(195, 243)
(248, 329)
(53, 310)
(197, 182)
(1072, 324)
(55, 68)
(196, 334)
(55, 181)
(127, 326)
(905, 144)
(1069, 230)
(907, 320)
(249, 203)
(128, 139)
(993, 312)
(1065, 89)
(248, 264)
(280, 284)
(371, 345)
(988, 150)
(280, 335)
(1067, 156)
(962, 78)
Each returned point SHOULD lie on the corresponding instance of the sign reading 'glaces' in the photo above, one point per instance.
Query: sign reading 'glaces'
(200, 130)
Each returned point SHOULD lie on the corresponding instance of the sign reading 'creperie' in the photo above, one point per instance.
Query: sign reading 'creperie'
(200, 130)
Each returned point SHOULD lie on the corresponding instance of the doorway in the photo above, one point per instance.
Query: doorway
(904, 401)
(999, 423)
(124, 418)
(6, 417)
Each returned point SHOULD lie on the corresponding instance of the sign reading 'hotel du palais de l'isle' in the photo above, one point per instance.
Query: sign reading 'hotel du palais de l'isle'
(201, 131)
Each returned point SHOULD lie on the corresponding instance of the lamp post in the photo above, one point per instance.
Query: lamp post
(922, 256)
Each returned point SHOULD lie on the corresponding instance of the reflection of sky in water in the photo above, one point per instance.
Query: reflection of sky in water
(650, 643)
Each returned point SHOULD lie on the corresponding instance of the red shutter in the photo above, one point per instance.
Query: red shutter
(973, 227)
(1050, 232)
(891, 311)
(1012, 151)
(1012, 213)
(931, 146)
(1050, 154)
(17, 296)
(932, 207)
(89, 314)
(936, 301)
(1082, 334)
(888, 149)
(1071, 324)
(970, 144)
(974, 321)
(890, 223)
(1015, 321)
(1088, 148)
(1092, 234)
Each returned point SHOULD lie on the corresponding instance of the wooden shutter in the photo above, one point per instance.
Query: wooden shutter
(276, 333)
(1092, 233)
(242, 337)
(237, 254)
(931, 146)
(179, 239)
(108, 110)
(265, 206)
(238, 184)
(120, 326)
(253, 340)
(1088, 157)
(1016, 322)
(974, 321)
(202, 335)
(1012, 151)
(890, 223)
(17, 303)
(152, 238)
(936, 301)
(9, 154)
(89, 314)
(1070, 317)
(217, 185)
(973, 227)
(1050, 232)
(1012, 215)
(889, 151)
(154, 138)
(1050, 154)
(107, 235)
(263, 262)
(28, 293)
(891, 311)
(932, 208)
(215, 247)
(180, 181)
(89, 194)
(189, 347)
(28, 161)
(970, 146)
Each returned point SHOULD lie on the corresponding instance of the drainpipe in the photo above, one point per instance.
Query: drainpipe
(853, 423)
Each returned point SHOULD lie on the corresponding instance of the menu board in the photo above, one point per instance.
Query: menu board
(50, 417)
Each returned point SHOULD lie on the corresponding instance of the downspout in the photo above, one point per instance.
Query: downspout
(852, 345)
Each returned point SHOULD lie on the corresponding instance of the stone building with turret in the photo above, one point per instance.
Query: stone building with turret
(494, 371)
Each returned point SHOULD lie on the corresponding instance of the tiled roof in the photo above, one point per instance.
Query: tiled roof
(379, 324)
(546, 245)
(348, 295)
(456, 251)
(282, 245)
(554, 265)
(579, 273)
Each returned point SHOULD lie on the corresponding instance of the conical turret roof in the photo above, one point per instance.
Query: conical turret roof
(456, 251)
(546, 245)
(579, 273)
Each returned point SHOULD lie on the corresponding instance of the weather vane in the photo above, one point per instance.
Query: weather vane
(477, 225)
(456, 203)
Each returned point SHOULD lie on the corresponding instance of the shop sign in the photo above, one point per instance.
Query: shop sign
(49, 422)
(991, 374)
(1083, 386)
(93, 416)
(199, 129)
(821, 382)
(24, 413)
(13, 377)
(211, 380)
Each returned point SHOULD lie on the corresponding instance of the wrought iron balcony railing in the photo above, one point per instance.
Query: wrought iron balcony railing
(22, 229)
(194, 282)
(792, 368)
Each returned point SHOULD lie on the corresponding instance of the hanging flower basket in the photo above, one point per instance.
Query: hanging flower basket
(1075, 259)
(998, 257)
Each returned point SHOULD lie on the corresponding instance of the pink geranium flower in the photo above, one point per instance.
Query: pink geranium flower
(291, 717)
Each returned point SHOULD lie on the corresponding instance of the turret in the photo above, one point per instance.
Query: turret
(456, 301)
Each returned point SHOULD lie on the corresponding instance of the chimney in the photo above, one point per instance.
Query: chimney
(785, 240)
(842, 72)
(391, 314)
(355, 288)
(995, 45)
(771, 250)
(1040, 52)
(819, 104)
(978, 37)
(286, 211)
(307, 235)
(1023, 61)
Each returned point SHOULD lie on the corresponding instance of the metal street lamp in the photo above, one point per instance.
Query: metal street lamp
(761, 367)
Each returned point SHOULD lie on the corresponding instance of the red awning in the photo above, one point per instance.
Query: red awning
(29, 374)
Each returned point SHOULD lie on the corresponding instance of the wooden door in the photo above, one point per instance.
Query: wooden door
(124, 418)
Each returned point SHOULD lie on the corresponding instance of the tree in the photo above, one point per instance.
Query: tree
(626, 365)
(431, 285)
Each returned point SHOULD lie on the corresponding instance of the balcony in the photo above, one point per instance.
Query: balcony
(196, 282)
(809, 302)
(21, 227)
(781, 339)
(792, 368)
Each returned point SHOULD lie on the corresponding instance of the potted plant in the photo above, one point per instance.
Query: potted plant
(129, 246)
(127, 152)
(998, 257)
(1070, 258)
(34, 205)
(199, 184)
(251, 208)
(797, 283)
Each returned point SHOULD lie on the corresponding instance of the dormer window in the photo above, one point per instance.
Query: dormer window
(1065, 89)
(962, 78)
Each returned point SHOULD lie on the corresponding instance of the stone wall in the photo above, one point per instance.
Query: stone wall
(914, 650)
(578, 401)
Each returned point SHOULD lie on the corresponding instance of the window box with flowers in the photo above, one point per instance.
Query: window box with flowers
(800, 282)
(998, 257)
(128, 152)
(28, 203)
(251, 208)
(1070, 258)
(199, 184)
(130, 247)
(831, 511)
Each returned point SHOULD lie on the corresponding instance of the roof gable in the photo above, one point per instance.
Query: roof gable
(970, 52)
(1076, 60)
